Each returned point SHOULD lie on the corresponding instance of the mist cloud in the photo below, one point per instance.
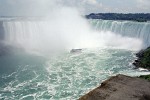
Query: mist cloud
(43, 7)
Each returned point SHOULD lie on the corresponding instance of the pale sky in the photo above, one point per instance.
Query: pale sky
(40, 7)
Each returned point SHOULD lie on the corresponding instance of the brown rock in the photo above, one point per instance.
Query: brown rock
(120, 87)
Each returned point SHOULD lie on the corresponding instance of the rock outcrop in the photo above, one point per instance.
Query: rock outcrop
(143, 59)
(120, 87)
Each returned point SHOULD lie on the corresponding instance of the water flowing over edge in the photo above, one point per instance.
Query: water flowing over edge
(60, 77)
(45, 35)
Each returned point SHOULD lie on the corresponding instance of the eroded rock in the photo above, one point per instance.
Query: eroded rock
(120, 87)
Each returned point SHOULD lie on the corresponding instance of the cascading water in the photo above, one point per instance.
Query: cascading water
(139, 30)
(44, 35)
(67, 76)
(29, 67)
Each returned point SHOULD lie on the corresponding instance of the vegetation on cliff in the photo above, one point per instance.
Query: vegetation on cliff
(147, 77)
(143, 61)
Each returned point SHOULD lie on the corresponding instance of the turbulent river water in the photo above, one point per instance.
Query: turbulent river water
(26, 75)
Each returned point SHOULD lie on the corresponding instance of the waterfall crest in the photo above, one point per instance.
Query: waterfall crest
(140, 30)
(48, 35)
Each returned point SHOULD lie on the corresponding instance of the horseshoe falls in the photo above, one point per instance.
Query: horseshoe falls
(133, 29)
(36, 62)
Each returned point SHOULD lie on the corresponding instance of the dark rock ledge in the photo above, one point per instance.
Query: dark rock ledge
(120, 87)
(143, 60)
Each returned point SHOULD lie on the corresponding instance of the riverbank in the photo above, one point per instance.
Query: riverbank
(143, 61)
(123, 87)
(120, 87)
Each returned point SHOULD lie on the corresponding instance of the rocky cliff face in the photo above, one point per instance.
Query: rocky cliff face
(120, 87)
(143, 59)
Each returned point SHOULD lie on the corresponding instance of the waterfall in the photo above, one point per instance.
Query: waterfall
(24, 33)
(139, 30)
(46, 35)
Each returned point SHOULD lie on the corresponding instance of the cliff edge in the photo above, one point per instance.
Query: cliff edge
(120, 87)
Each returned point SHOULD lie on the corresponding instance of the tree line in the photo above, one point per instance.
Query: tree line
(141, 17)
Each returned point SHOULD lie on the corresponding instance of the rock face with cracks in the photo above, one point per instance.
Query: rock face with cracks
(120, 87)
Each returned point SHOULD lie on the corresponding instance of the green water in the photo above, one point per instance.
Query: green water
(66, 76)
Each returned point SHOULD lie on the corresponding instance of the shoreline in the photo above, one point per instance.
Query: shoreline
(143, 59)
(121, 87)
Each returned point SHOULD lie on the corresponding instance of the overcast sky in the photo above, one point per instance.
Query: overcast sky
(40, 7)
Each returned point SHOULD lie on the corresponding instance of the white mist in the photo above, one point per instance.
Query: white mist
(62, 28)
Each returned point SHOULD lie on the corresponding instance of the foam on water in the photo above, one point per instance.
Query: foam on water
(66, 76)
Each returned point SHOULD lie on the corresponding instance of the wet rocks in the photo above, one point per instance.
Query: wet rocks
(143, 60)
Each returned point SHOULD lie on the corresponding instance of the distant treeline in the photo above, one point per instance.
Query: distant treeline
(141, 17)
